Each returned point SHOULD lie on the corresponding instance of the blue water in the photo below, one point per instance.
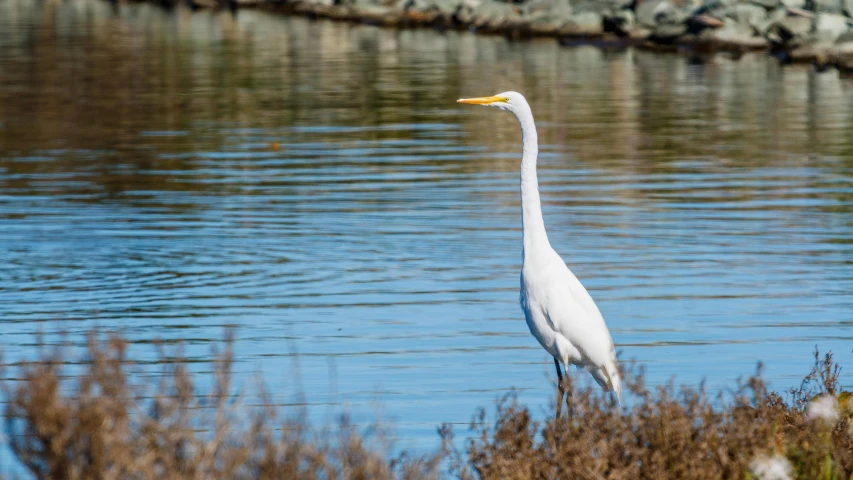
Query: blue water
(315, 186)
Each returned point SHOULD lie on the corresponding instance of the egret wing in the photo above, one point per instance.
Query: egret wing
(574, 314)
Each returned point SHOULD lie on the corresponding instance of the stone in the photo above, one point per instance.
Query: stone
(583, 23)
(750, 14)
(772, 17)
(447, 6)
(738, 34)
(792, 29)
(824, 6)
(706, 21)
(463, 15)
(651, 13)
(828, 27)
(491, 15)
(843, 49)
(669, 31)
(545, 26)
(845, 65)
(766, 4)
(809, 53)
(545, 17)
(794, 3)
(599, 7)
(714, 8)
(561, 8)
(620, 22)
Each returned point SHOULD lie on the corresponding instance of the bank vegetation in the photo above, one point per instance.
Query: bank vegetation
(104, 416)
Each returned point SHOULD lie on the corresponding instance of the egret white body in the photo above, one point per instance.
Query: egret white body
(559, 311)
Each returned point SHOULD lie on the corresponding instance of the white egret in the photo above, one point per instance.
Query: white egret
(559, 311)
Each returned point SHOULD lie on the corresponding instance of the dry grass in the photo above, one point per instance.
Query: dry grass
(103, 426)
(100, 424)
(670, 433)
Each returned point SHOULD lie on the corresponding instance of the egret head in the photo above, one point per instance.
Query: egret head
(509, 101)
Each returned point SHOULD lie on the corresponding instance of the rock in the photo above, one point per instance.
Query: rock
(770, 20)
(640, 33)
(545, 26)
(736, 34)
(651, 13)
(766, 4)
(794, 3)
(844, 64)
(600, 7)
(583, 24)
(372, 13)
(714, 8)
(843, 50)
(824, 6)
(491, 15)
(620, 22)
(799, 12)
(623, 4)
(749, 14)
(847, 7)
(545, 17)
(446, 6)
(827, 27)
(705, 21)
(463, 15)
(790, 31)
(809, 53)
(668, 32)
(554, 8)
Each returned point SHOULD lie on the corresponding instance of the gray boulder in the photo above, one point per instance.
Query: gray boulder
(825, 6)
(540, 8)
(652, 13)
(749, 15)
(583, 24)
(621, 22)
(828, 27)
(545, 17)
(669, 31)
(601, 7)
(790, 30)
(444, 6)
(772, 18)
(491, 15)
(545, 25)
(737, 34)
(767, 4)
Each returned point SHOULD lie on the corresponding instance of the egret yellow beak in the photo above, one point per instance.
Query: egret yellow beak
(482, 100)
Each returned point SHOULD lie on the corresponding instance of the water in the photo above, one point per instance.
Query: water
(315, 185)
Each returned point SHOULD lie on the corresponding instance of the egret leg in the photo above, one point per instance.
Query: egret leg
(568, 390)
(560, 389)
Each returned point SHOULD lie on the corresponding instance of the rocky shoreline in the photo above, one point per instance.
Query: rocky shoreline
(815, 31)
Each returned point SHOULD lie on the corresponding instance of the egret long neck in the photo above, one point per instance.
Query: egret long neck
(533, 226)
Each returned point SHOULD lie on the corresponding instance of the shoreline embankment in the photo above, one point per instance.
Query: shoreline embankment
(795, 31)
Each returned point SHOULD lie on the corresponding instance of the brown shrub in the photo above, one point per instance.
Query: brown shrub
(666, 433)
(102, 424)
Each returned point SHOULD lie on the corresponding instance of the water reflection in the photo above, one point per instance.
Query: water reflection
(314, 184)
